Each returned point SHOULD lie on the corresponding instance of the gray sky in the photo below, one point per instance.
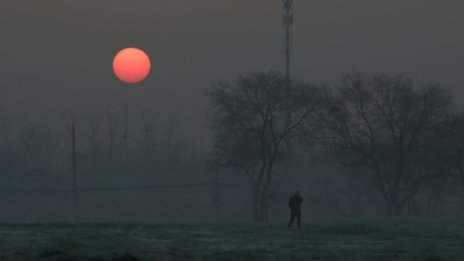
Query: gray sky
(56, 56)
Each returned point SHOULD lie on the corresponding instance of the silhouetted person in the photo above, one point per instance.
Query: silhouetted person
(295, 208)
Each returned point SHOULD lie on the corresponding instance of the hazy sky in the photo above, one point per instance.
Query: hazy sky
(56, 56)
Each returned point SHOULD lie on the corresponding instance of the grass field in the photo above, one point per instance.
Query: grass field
(425, 240)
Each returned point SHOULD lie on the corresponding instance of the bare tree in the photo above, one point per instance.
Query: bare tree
(9, 158)
(255, 121)
(436, 161)
(5, 129)
(173, 145)
(456, 134)
(117, 129)
(376, 122)
(39, 147)
(146, 124)
(105, 145)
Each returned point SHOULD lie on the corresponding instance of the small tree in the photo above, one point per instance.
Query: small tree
(255, 122)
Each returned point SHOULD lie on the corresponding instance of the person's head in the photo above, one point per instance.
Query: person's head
(297, 193)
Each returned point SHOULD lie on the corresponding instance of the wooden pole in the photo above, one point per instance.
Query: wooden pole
(74, 173)
(216, 192)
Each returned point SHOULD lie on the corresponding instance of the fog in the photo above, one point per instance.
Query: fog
(144, 151)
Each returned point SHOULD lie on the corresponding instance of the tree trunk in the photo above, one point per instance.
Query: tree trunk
(264, 211)
(388, 207)
(255, 199)
(432, 204)
(393, 206)
(260, 206)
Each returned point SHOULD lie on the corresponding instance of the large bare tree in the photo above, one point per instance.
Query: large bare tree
(378, 122)
(456, 146)
(255, 121)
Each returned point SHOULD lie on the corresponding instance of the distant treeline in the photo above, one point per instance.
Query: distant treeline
(369, 139)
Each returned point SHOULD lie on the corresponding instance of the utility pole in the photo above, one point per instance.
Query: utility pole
(74, 173)
(216, 192)
(287, 23)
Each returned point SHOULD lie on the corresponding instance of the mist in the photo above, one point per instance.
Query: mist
(206, 158)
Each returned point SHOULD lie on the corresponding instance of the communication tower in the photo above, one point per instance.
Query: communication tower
(287, 23)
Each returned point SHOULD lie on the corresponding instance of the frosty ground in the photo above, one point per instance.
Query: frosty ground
(392, 239)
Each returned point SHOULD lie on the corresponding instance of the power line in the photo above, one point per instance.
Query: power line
(152, 187)
(122, 188)
(105, 189)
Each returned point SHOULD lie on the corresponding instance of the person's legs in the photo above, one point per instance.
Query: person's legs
(298, 219)
(292, 218)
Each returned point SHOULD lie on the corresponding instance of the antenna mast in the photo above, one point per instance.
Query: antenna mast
(287, 22)
(74, 175)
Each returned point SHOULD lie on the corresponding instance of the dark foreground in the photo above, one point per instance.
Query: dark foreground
(426, 240)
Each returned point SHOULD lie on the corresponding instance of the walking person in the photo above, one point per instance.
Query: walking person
(295, 209)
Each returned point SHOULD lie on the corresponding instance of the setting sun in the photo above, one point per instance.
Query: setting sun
(131, 65)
